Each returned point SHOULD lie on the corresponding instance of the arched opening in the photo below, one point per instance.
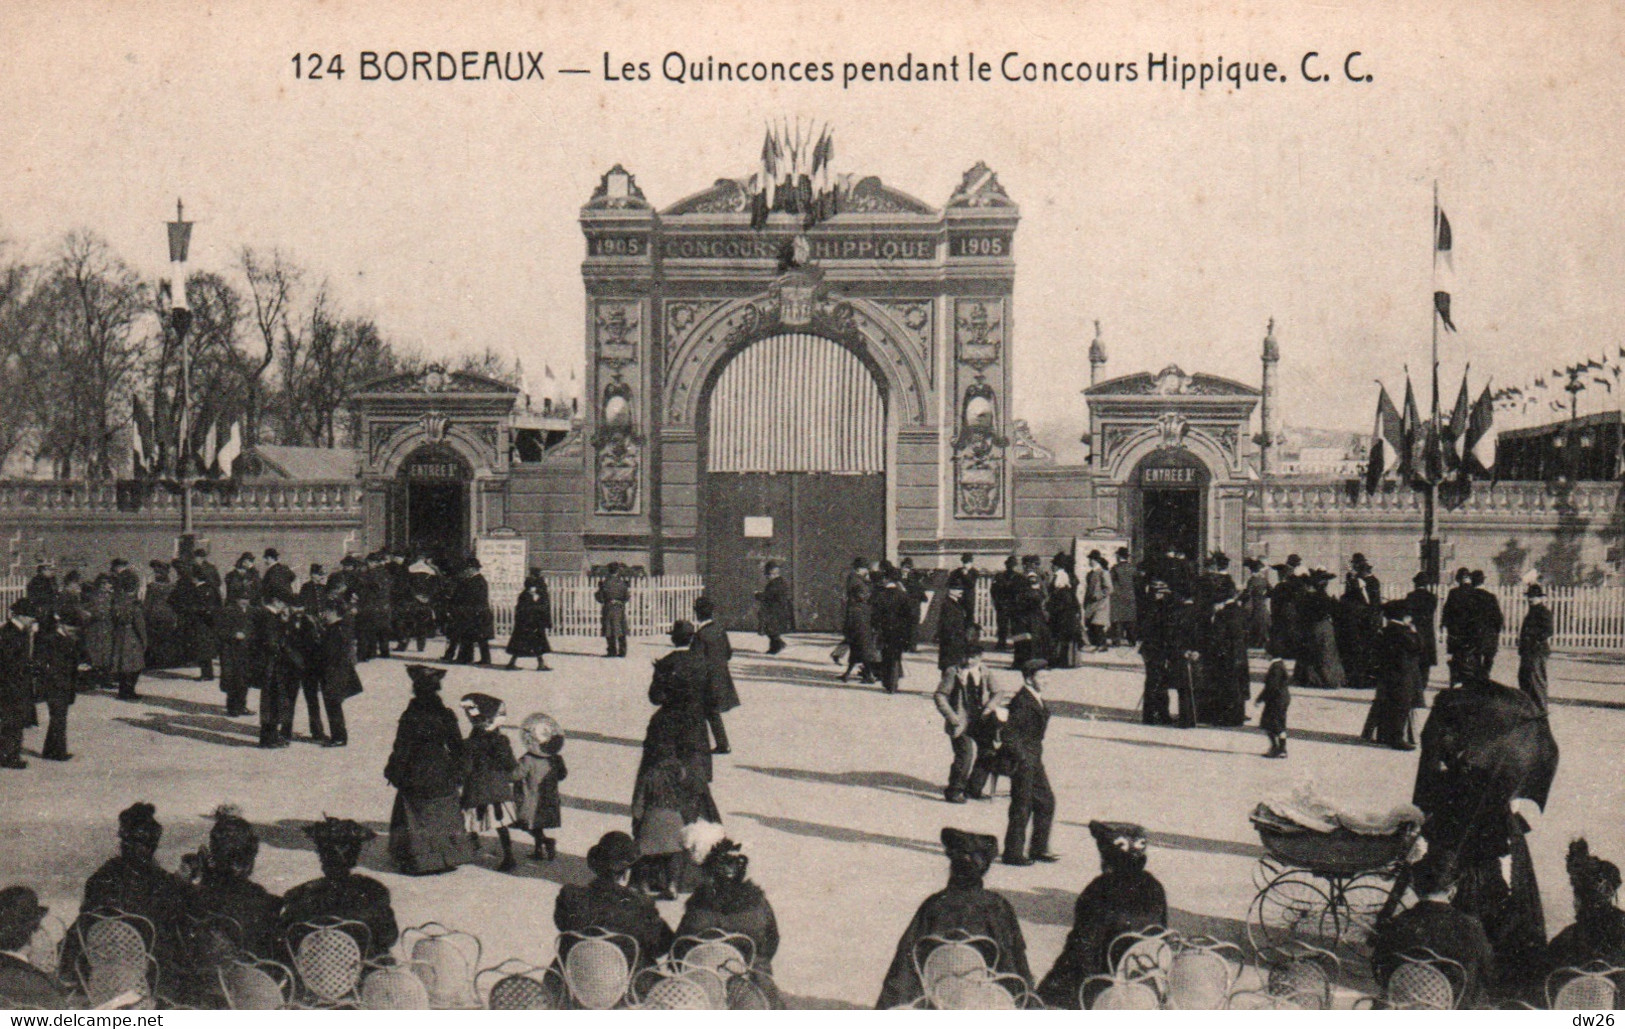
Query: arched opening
(432, 504)
(793, 469)
(1169, 498)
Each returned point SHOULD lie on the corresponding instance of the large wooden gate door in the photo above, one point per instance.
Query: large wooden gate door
(794, 462)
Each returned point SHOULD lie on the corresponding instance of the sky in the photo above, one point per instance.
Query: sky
(1182, 219)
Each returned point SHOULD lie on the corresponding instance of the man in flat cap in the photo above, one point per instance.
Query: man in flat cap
(17, 711)
(964, 905)
(22, 986)
(340, 893)
(1123, 898)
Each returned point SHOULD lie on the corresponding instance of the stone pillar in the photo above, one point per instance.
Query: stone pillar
(1097, 356)
(1266, 408)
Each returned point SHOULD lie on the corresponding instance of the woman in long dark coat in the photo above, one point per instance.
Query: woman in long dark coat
(681, 693)
(426, 831)
(775, 616)
(1226, 682)
(1319, 664)
(1397, 666)
(727, 901)
(532, 617)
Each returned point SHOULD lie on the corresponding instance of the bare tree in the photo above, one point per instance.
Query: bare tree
(492, 365)
(221, 369)
(88, 350)
(17, 313)
(273, 281)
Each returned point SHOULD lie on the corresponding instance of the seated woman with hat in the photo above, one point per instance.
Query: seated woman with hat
(340, 893)
(609, 904)
(22, 986)
(964, 905)
(1123, 898)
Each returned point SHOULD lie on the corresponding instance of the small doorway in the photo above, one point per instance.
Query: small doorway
(433, 489)
(1170, 504)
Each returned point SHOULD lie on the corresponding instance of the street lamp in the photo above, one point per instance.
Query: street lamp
(180, 320)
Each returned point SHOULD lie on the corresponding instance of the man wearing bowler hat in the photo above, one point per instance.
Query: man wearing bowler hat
(1031, 799)
(21, 984)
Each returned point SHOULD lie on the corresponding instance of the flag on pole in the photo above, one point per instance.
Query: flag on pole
(1441, 237)
(1441, 305)
(211, 446)
(1412, 438)
(1479, 446)
(140, 430)
(1456, 429)
(233, 447)
(1387, 441)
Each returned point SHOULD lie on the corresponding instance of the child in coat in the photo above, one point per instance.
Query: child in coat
(488, 786)
(536, 781)
(664, 803)
(1275, 698)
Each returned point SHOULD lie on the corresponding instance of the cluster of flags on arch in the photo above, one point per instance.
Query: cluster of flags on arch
(203, 448)
(796, 175)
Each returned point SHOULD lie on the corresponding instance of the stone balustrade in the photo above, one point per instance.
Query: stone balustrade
(22, 496)
(1506, 499)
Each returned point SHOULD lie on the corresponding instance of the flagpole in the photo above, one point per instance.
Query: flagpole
(1430, 547)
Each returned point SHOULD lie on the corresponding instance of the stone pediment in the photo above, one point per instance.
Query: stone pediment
(1171, 382)
(436, 380)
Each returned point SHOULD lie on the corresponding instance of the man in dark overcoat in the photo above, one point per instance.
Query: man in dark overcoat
(711, 639)
(776, 615)
(612, 596)
(274, 667)
(471, 615)
(17, 711)
(1424, 605)
(894, 617)
(41, 591)
(1455, 620)
(1535, 644)
(1485, 621)
(965, 576)
(56, 658)
(1004, 589)
(1031, 799)
(277, 577)
(243, 579)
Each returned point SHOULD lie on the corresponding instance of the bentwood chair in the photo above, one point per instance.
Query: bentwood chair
(950, 954)
(116, 950)
(251, 984)
(598, 968)
(680, 988)
(715, 949)
(1425, 981)
(446, 960)
(1302, 973)
(328, 959)
(515, 985)
(394, 988)
(1146, 955)
(1590, 987)
(1202, 974)
(1119, 994)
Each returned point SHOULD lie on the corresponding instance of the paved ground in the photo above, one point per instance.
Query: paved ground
(833, 788)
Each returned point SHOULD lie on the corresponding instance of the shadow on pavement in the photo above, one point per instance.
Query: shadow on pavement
(840, 833)
(598, 737)
(211, 729)
(1044, 905)
(602, 807)
(891, 782)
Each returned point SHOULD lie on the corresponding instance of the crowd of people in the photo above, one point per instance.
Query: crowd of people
(1194, 629)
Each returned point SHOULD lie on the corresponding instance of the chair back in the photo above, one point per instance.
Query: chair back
(597, 970)
(1147, 954)
(251, 985)
(1201, 976)
(1303, 974)
(717, 950)
(1260, 1000)
(953, 954)
(517, 986)
(1419, 986)
(746, 994)
(394, 988)
(975, 990)
(328, 962)
(1590, 988)
(1124, 995)
(446, 959)
(116, 951)
(45, 946)
(692, 989)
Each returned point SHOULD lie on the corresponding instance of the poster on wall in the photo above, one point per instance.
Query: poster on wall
(502, 561)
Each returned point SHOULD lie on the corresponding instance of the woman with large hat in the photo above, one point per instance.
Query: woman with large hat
(426, 832)
(964, 905)
(609, 904)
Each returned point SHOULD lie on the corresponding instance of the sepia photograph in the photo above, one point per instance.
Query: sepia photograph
(811, 505)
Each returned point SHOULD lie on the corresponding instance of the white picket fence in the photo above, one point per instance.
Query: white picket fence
(656, 602)
(1588, 618)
